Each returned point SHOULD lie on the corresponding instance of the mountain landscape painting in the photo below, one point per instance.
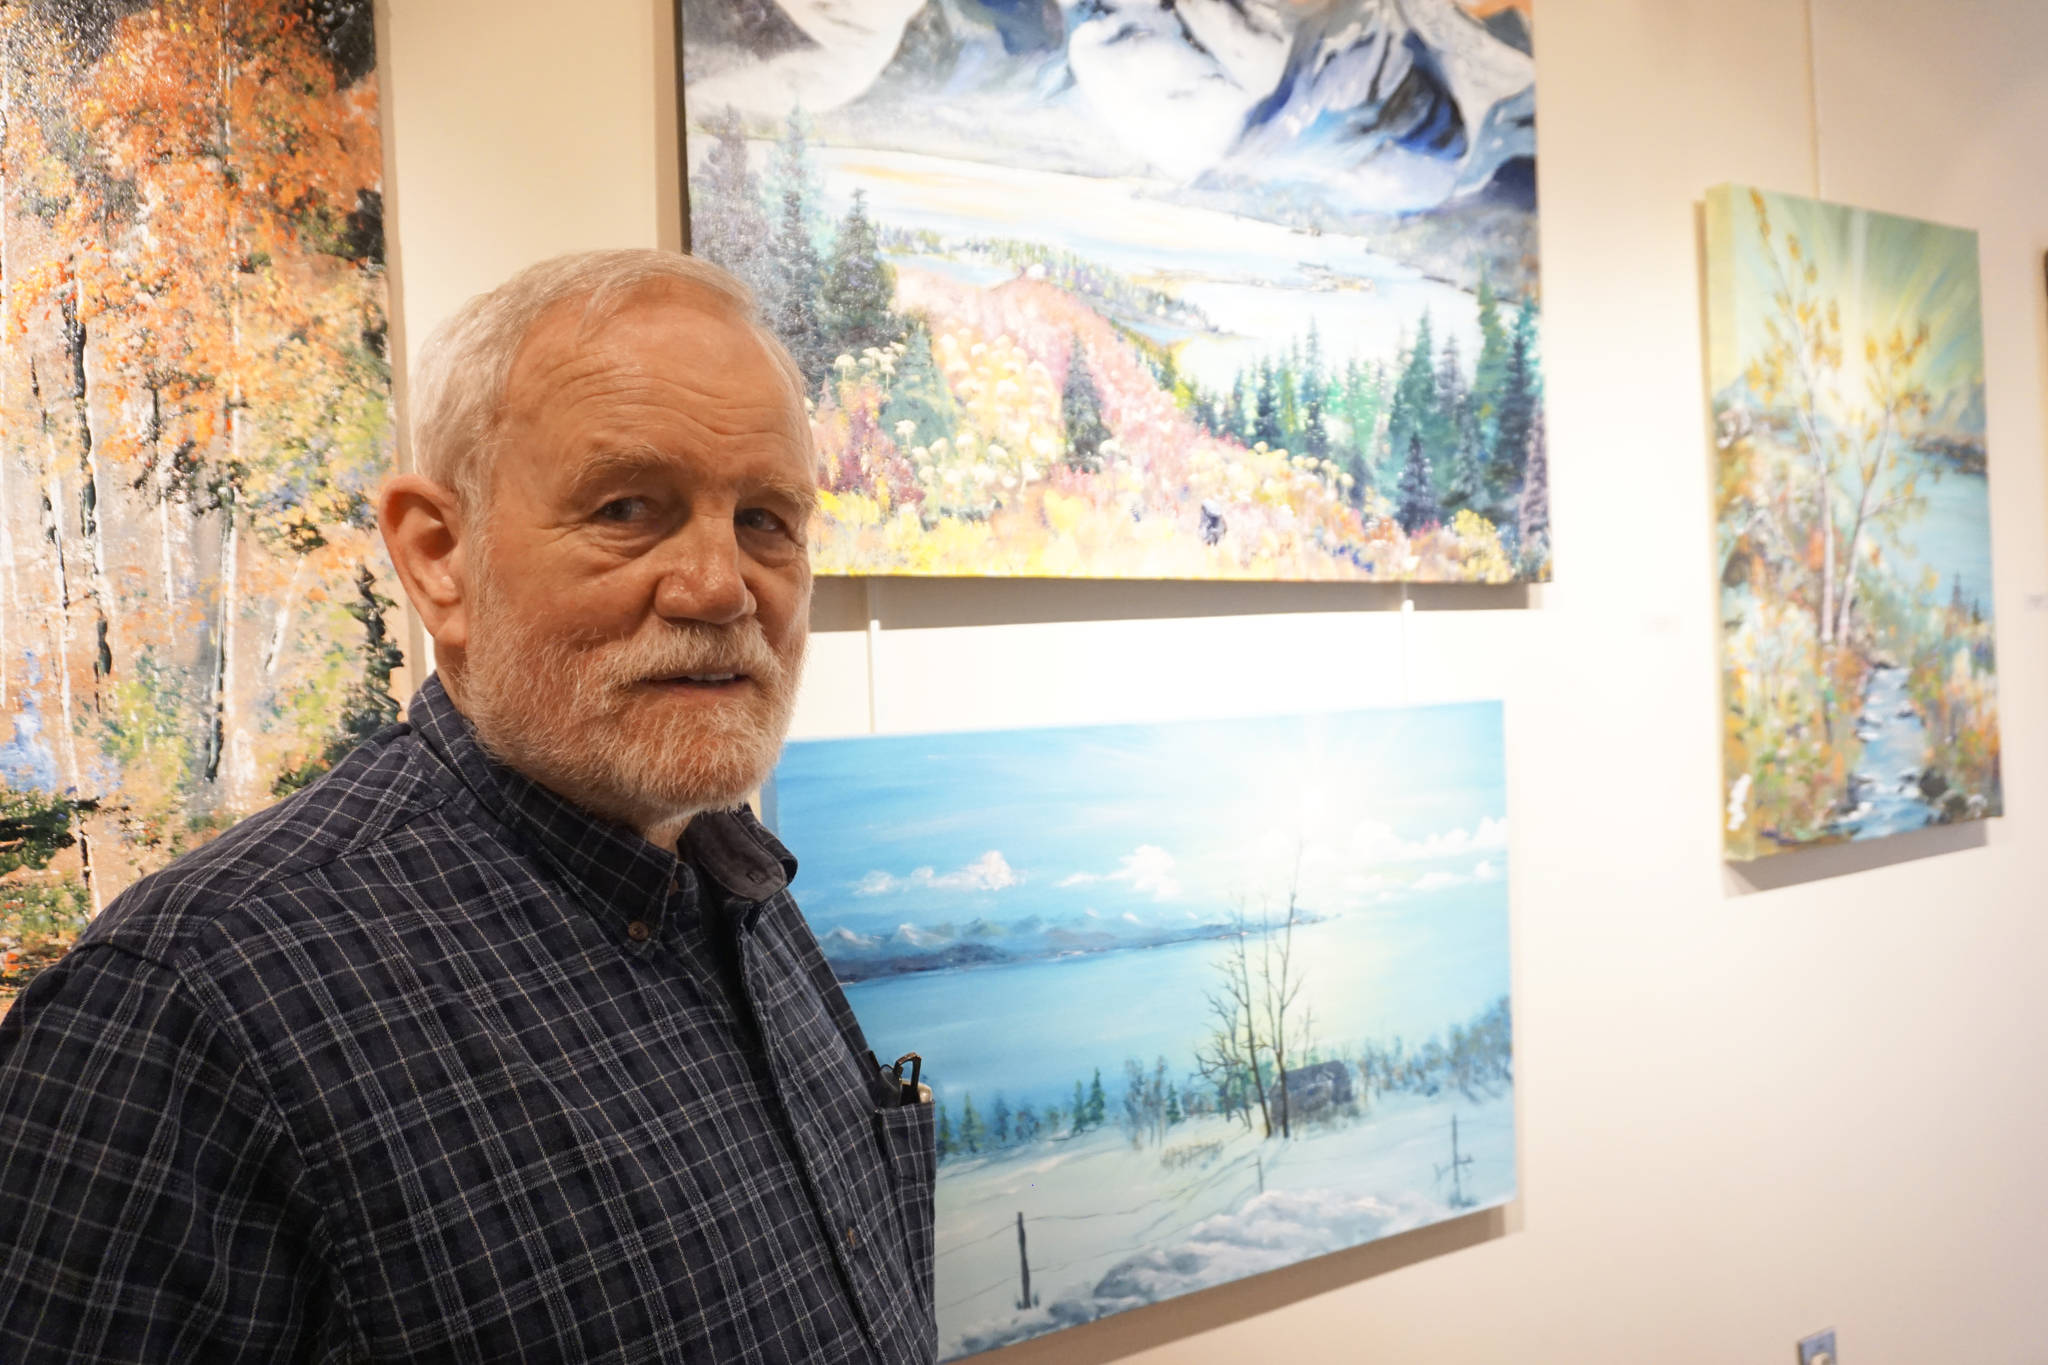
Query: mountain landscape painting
(1859, 662)
(1204, 289)
(195, 611)
(1195, 1000)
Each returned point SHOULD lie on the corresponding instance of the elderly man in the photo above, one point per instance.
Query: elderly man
(504, 1040)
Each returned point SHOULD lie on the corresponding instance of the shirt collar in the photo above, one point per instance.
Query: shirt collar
(621, 876)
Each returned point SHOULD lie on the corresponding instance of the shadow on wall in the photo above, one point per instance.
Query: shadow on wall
(1827, 861)
(1144, 1329)
(842, 604)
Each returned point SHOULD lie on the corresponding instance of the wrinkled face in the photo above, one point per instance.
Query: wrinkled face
(640, 603)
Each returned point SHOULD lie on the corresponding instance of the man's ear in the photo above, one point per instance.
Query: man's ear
(423, 530)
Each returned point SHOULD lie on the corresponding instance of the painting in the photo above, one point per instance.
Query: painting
(194, 412)
(1818, 1349)
(1859, 664)
(1196, 1000)
(1216, 289)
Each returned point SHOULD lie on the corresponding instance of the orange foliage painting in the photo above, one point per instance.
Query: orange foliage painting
(194, 410)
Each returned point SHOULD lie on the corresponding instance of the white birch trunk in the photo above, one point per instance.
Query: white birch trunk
(283, 620)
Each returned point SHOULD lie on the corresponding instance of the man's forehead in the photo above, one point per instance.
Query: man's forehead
(690, 338)
(580, 329)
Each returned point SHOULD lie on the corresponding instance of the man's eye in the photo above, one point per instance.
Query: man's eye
(620, 510)
(761, 519)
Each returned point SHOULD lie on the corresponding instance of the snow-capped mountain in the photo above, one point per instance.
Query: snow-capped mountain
(1373, 105)
(1387, 105)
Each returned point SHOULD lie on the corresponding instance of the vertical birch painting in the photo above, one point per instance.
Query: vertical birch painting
(1209, 289)
(1195, 1000)
(194, 411)
(1859, 663)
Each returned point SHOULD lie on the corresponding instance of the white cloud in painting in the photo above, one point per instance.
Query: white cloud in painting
(1379, 842)
(1484, 870)
(990, 872)
(1147, 870)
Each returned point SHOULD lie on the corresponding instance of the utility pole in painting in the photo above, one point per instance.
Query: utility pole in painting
(1458, 1199)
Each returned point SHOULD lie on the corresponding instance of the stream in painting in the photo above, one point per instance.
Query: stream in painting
(1885, 788)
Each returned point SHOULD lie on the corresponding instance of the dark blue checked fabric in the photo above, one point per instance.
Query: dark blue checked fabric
(426, 1064)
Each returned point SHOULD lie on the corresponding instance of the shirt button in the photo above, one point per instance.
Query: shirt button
(852, 1238)
(638, 931)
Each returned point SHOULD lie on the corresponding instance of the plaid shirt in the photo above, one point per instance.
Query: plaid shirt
(425, 1063)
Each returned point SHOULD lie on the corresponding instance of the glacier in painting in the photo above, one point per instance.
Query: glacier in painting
(1196, 1000)
(1210, 289)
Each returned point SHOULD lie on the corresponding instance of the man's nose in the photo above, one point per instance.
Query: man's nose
(704, 579)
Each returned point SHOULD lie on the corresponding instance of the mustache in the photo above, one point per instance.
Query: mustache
(692, 647)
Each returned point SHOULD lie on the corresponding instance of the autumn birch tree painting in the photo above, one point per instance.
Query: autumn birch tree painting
(1859, 661)
(194, 411)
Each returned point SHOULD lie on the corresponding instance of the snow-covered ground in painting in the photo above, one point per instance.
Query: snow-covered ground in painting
(1110, 1227)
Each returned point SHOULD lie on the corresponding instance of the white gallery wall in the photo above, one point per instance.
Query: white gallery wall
(1752, 1103)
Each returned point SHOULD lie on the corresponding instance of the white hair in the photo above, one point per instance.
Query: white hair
(458, 395)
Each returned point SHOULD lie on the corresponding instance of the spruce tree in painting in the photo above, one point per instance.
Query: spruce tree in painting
(1315, 430)
(1534, 511)
(1098, 1102)
(1467, 486)
(1361, 402)
(1081, 411)
(727, 223)
(973, 1134)
(1413, 417)
(1451, 400)
(1520, 396)
(942, 1130)
(1287, 382)
(1080, 1109)
(999, 1121)
(1266, 420)
(1244, 406)
(1027, 1123)
(791, 170)
(801, 280)
(860, 288)
(919, 394)
(1417, 507)
(1489, 374)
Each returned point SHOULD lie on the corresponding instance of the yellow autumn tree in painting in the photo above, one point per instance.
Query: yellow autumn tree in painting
(194, 410)
(1858, 654)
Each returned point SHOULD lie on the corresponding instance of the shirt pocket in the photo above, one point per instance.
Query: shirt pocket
(910, 1152)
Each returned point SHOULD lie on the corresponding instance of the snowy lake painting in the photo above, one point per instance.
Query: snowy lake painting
(1216, 289)
(1196, 1000)
(1859, 661)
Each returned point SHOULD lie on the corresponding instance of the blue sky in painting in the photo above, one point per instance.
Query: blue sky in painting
(1144, 827)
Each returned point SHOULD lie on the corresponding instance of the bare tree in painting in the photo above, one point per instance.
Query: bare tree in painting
(1289, 1022)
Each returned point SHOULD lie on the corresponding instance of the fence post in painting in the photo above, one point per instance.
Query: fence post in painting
(1024, 1300)
(1458, 1200)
